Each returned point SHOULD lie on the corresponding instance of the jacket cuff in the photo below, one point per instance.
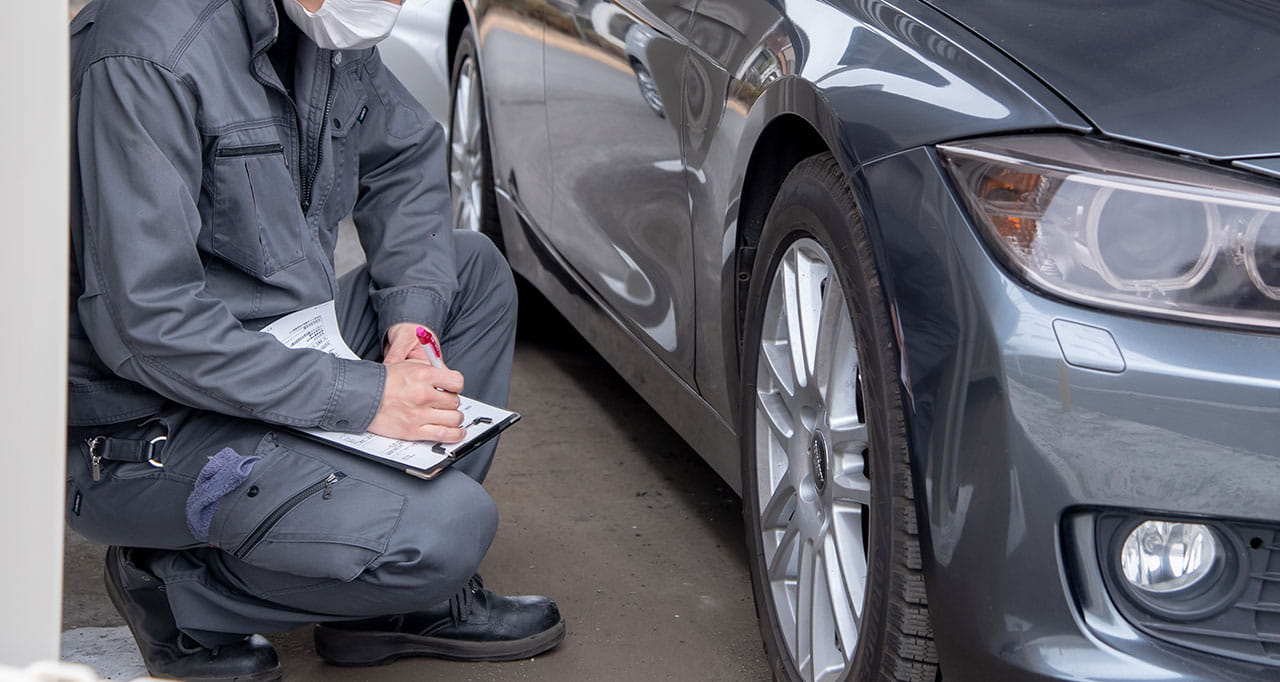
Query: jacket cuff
(411, 304)
(357, 393)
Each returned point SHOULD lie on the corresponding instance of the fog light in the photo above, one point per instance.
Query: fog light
(1164, 558)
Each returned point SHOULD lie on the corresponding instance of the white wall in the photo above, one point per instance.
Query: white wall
(33, 325)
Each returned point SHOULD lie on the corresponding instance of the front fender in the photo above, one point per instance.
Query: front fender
(868, 78)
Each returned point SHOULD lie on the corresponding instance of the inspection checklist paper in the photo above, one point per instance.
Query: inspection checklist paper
(317, 327)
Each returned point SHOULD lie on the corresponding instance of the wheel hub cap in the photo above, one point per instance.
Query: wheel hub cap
(818, 460)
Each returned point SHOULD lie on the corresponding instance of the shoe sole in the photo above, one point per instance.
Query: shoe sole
(117, 600)
(351, 648)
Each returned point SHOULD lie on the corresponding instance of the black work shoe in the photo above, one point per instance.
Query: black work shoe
(475, 625)
(167, 652)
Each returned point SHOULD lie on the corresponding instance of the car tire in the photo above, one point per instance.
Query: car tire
(473, 202)
(833, 500)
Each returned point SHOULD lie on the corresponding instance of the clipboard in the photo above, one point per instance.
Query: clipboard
(447, 454)
(317, 328)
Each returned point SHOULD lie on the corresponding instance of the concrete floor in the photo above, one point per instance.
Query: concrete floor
(603, 508)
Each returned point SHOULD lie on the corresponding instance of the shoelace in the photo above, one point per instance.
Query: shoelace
(460, 603)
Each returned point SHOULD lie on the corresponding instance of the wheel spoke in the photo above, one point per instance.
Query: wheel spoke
(776, 415)
(850, 485)
(803, 280)
(850, 547)
(457, 156)
(458, 145)
(804, 611)
(848, 439)
(783, 565)
(477, 201)
(851, 489)
(462, 106)
(828, 606)
(778, 512)
(459, 207)
(821, 637)
(775, 356)
(782, 571)
(473, 118)
(842, 607)
(837, 357)
(456, 181)
(464, 217)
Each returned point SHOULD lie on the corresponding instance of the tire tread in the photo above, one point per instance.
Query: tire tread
(910, 637)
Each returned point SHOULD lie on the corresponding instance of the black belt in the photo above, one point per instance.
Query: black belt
(125, 450)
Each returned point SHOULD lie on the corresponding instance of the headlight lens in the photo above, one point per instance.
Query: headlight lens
(1113, 227)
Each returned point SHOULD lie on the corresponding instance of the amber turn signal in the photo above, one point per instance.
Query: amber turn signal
(1009, 197)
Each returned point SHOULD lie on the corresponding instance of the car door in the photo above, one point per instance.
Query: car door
(621, 215)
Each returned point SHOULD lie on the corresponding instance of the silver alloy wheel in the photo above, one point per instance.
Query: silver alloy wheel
(466, 151)
(811, 454)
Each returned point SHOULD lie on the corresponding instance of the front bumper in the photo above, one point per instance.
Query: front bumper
(1009, 438)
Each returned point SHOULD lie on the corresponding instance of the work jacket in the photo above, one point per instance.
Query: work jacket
(205, 203)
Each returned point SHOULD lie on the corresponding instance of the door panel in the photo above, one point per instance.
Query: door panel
(621, 215)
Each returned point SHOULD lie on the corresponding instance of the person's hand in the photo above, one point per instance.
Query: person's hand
(402, 343)
(419, 402)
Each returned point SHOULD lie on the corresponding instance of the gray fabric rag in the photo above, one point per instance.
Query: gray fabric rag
(223, 473)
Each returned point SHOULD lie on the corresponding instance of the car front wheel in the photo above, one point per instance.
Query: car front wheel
(827, 491)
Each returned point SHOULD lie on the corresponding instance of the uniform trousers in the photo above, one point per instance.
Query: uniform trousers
(294, 544)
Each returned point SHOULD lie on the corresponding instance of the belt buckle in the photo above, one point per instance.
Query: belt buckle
(151, 452)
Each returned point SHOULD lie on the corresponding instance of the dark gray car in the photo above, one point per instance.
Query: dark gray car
(975, 302)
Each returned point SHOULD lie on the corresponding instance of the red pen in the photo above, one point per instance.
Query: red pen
(428, 340)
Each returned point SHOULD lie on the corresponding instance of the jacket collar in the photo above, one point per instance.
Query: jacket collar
(263, 21)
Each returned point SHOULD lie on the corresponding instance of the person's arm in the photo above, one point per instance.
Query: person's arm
(145, 307)
(402, 213)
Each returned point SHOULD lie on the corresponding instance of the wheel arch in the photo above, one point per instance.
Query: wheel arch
(459, 19)
(794, 122)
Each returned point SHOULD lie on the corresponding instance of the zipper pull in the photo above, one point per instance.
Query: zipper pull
(328, 484)
(95, 457)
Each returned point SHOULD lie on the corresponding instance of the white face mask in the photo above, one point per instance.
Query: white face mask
(345, 24)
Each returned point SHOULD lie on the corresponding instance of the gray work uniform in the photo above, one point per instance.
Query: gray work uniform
(205, 203)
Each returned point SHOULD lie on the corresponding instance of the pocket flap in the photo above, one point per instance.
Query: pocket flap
(296, 514)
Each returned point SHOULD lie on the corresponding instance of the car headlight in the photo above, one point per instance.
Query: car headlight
(1114, 227)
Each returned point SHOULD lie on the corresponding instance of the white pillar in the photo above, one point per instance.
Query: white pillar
(33, 324)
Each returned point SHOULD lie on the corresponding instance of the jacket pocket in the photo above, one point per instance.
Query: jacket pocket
(257, 226)
(301, 516)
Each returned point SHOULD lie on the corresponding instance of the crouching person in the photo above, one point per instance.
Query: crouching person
(216, 144)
